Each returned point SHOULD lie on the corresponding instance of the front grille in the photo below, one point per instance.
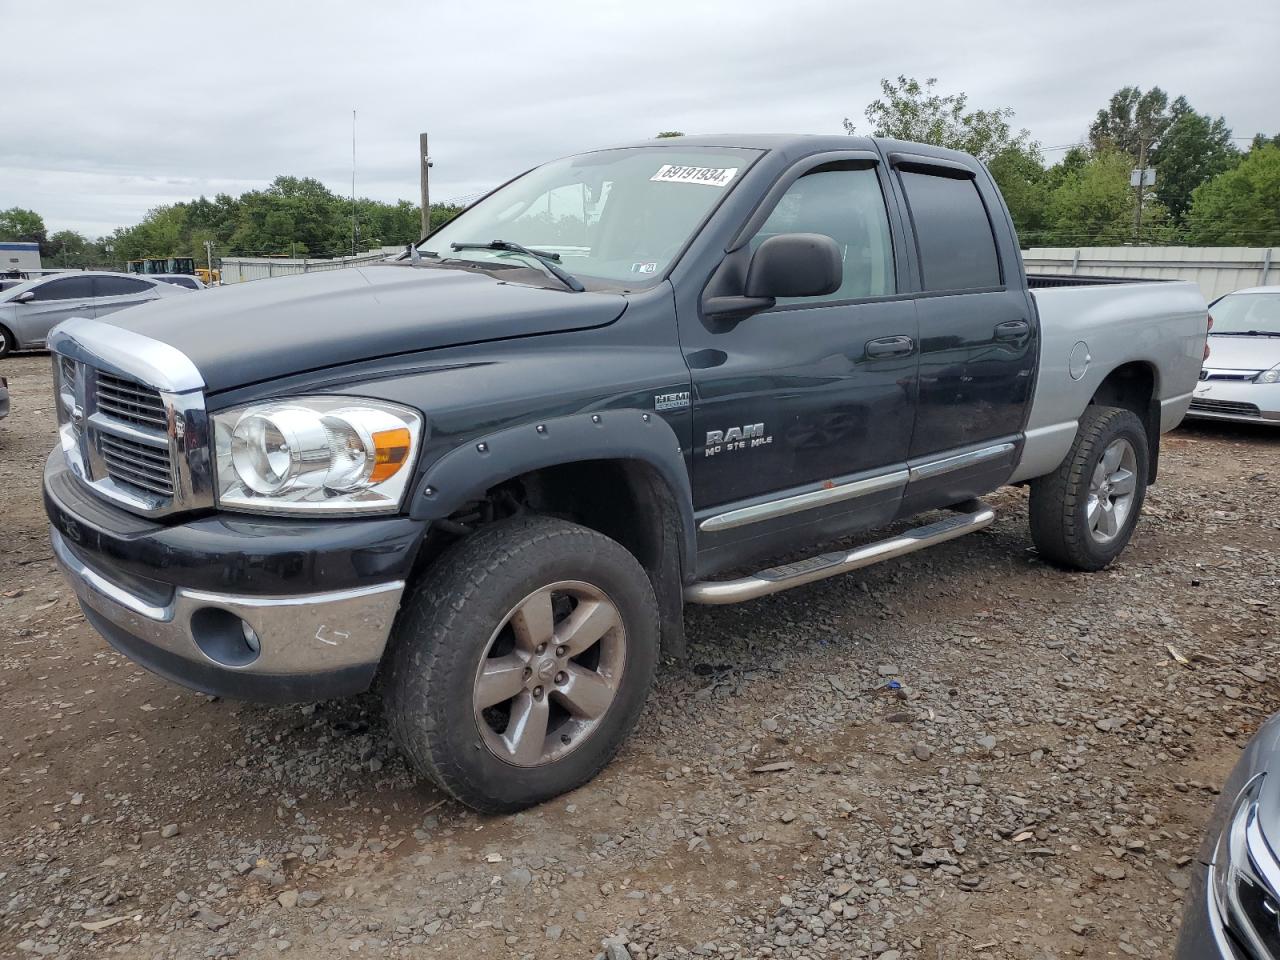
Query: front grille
(1237, 375)
(131, 402)
(142, 442)
(1226, 406)
(137, 464)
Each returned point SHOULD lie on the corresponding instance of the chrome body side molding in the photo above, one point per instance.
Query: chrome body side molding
(802, 501)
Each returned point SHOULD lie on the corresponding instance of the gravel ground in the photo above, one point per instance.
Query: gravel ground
(963, 754)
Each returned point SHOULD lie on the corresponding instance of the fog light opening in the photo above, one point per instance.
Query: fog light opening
(224, 638)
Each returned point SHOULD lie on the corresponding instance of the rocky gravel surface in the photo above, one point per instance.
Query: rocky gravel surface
(963, 754)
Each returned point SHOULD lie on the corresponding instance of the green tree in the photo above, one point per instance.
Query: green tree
(667, 134)
(1094, 204)
(1240, 207)
(909, 110)
(1132, 122)
(1260, 140)
(1023, 181)
(18, 223)
(1194, 149)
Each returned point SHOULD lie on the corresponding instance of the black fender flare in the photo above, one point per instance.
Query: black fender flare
(468, 471)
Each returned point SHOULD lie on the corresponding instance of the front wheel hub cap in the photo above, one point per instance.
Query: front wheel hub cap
(549, 673)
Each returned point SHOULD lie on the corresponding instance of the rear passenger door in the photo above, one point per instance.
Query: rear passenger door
(115, 293)
(978, 336)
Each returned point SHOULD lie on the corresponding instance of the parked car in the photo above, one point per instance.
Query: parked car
(4, 398)
(8, 283)
(1234, 897)
(494, 470)
(179, 280)
(31, 309)
(1241, 376)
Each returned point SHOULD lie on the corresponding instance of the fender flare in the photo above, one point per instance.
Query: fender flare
(467, 471)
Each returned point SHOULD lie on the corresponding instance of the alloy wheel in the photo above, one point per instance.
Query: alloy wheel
(550, 673)
(1111, 490)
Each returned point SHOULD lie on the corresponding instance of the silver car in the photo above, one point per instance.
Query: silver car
(1240, 380)
(30, 310)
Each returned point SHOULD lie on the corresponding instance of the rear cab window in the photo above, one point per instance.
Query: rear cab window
(954, 239)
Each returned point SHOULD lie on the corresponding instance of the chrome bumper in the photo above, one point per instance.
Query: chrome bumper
(307, 647)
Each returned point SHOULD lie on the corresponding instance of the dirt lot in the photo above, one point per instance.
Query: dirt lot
(1035, 789)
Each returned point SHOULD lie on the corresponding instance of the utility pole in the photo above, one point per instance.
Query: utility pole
(208, 256)
(424, 165)
(353, 183)
(1142, 177)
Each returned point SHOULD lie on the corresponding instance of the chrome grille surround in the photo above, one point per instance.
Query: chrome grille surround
(131, 418)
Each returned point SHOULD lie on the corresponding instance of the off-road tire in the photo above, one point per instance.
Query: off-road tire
(1059, 501)
(445, 627)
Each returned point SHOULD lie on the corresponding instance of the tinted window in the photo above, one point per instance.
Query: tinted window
(847, 206)
(66, 288)
(957, 249)
(118, 286)
(187, 282)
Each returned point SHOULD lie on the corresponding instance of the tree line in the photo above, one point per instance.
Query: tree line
(294, 216)
(1207, 192)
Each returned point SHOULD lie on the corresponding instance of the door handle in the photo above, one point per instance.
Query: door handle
(1012, 330)
(890, 347)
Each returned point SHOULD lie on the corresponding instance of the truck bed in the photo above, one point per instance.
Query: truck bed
(1040, 281)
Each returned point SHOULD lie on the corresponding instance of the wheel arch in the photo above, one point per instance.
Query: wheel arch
(1135, 386)
(619, 472)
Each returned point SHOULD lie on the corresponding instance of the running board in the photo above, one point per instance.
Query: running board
(788, 575)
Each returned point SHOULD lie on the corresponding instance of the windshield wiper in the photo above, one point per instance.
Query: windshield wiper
(544, 257)
(1244, 333)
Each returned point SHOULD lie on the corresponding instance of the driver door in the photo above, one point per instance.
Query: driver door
(814, 398)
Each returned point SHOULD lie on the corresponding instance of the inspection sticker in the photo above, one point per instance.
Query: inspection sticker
(710, 176)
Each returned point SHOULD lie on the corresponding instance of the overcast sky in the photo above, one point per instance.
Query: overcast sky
(111, 109)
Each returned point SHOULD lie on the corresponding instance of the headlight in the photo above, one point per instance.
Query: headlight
(1244, 877)
(316, 454)
(1269, 376)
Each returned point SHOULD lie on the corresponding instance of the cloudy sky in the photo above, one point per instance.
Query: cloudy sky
(112, 109)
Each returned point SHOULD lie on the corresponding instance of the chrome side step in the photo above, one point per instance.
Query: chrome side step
(788, 575)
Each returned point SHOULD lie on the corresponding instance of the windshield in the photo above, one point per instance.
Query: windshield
(1247, 313)
(614, 215)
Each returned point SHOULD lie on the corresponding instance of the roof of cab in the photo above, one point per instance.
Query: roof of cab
(799, 145)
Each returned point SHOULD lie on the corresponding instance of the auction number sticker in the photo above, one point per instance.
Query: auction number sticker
(709, 176)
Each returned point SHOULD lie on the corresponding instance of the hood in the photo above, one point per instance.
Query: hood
(257, 331)
(1242, 353)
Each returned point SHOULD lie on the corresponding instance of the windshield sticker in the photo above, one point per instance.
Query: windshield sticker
(649, 266)
(710, 176)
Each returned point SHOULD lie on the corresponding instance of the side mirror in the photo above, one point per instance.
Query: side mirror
(788, 265)
(25, 296)
(795, 265)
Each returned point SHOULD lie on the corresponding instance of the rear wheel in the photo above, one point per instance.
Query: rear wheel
(522, 661)
(1083, 514)
(7, 343)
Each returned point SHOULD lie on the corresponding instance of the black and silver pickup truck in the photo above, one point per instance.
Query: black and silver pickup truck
(488, 475)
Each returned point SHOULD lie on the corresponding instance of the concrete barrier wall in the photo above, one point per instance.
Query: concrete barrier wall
(1218, 270)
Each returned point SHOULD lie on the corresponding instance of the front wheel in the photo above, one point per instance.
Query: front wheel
(7, 343)
(521, 662)
(1083, 514)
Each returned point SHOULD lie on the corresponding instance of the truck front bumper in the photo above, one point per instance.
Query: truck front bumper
(228, 605)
